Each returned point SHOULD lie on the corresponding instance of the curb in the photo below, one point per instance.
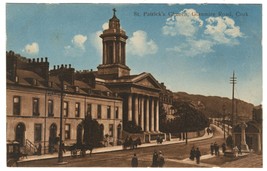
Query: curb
(114, 148)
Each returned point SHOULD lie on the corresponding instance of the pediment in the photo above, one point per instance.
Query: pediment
(147, 81)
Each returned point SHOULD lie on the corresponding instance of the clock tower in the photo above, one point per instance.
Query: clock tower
(114, 51)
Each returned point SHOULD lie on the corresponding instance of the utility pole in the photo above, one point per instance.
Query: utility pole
(60, 151)
(223, 108)
(233, 82)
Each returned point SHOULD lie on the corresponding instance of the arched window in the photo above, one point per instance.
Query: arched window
(20, 133)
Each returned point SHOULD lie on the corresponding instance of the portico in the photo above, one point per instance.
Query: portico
(144, 111)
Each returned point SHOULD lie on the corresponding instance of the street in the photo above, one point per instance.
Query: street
(122, 158)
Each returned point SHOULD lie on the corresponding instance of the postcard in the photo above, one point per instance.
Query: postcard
(134, 85)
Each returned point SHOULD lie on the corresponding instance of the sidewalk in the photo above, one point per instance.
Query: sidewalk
(247, 160)
(113, 148)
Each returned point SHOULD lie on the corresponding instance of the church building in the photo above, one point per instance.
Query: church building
(140, 93)
(36, 95)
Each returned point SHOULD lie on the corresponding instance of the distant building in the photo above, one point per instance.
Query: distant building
(166, 100)
(110, 95)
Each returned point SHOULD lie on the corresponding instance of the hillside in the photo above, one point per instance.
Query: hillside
(212, 106)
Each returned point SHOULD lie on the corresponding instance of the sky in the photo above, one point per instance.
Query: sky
(193, 48)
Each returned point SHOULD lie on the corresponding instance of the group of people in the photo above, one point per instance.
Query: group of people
(157, 160)
(215, 148)
(195, 153)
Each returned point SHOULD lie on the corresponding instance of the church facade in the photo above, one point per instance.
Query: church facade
(111, 95)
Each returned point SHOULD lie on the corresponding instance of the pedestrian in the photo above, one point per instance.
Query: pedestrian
(63, 147)
(39, 149)
(223, 148)
(154, 159)
(161, 160)
(134, 161)
(192, 153)
(211, 149)
(216, 148)
(198, 154)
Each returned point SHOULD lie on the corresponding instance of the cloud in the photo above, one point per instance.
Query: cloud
(140, 45)
(183, 23)
(223, 30)
(105, 26)
(31, 48)
(79, 40)
(193, 47)
(77, 47)
(196, 41)
(96, 41)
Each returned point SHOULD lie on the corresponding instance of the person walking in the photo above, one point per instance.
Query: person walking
(39, 149)
(192, 153)
(161, 160)
(63, 147)
(134, 162)
(211, 149)
(155, 159)
(216, 148)
(198, 154)
(223, 148)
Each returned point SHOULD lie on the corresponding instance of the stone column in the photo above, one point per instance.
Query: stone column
(142, 113)
(104, 53)
(130, 107)
(152, 127)
(259, 142)
(147, 114)
(136, 110)
(244, 146)
(114, 52)
(119, 53)
(157, 115)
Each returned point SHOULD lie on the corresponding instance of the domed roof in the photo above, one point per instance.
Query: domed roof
(114, 22)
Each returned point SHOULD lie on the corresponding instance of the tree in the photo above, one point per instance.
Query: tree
(187, 119)
(92, 132)
(163, 125)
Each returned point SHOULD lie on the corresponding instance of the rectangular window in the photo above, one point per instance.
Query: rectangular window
(67, 131)
(89, 109)
(108, 112)
(65, 109)
(37, 132)
(110, 130)
(99, 111)
(117, 112)
(16, 105)
(50, 108)
(35, 106)
(77, 109)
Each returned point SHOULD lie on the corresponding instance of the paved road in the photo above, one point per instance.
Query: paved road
(176, 155)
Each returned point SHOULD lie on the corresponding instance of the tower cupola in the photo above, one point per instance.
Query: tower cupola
(114, 50)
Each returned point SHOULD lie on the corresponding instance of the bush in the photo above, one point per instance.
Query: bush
(131, 127)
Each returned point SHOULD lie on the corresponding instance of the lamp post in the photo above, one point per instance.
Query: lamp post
(60, 153)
